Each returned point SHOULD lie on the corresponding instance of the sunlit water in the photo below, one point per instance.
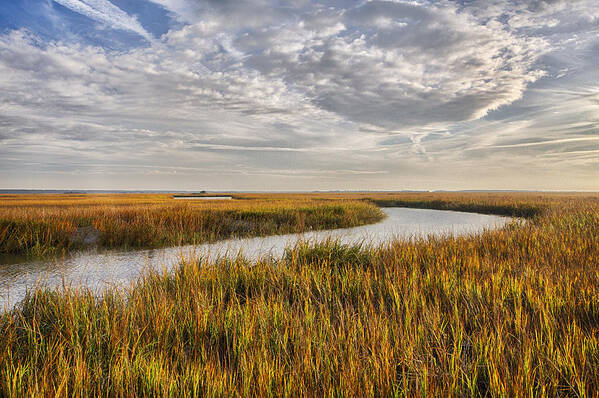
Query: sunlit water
(203, 197)
(101, 269)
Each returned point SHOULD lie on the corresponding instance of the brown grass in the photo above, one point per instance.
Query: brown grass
(511, 312)
(49, 224)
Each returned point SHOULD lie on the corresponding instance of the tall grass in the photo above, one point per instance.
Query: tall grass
(512, 312)
(40, 225)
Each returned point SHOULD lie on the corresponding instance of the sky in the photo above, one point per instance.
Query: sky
(299, 95)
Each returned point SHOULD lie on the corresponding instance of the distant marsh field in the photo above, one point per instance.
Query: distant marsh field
(510, 312)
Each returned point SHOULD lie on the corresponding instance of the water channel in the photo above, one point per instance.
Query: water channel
(102, 269)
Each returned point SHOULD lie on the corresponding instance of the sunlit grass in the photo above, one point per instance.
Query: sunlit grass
(511, 312)
(48, 224)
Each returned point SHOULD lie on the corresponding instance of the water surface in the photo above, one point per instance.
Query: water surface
(203, 197)
(101, 269)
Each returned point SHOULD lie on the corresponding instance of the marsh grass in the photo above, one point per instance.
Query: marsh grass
(42, 225)
(511, 312)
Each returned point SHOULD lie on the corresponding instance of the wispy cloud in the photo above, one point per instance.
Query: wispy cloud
(103, 11)
(417, 94)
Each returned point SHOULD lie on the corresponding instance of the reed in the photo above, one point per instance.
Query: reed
(509, 312)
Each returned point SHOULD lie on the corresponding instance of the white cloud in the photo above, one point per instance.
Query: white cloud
(105, 12)
(395, 87)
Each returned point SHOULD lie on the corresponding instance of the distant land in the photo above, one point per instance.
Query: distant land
(110, 191)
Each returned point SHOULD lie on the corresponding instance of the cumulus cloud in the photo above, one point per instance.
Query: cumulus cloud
(388, 64)
(385, 85)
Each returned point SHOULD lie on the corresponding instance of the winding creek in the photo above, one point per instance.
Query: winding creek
(101, 269)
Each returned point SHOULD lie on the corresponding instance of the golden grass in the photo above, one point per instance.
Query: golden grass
(49, 224)
(512, 312)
